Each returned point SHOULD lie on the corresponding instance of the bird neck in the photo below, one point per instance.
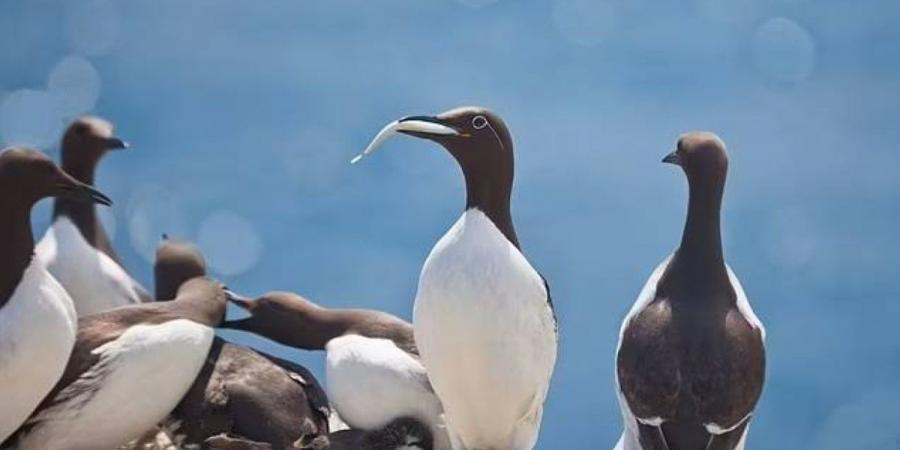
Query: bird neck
(319, 326)
(700, 254)
(491, 194)
(83, 214)
(203, 307)
(16, 245)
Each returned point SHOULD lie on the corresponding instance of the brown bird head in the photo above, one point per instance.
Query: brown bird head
(482, 145)
(27, 176)
(176, 262)
(85, 142)
(286, 318)
(702, 156)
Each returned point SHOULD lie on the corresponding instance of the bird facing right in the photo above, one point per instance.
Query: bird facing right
(690, 363)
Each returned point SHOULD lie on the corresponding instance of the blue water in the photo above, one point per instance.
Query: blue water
(243, 117)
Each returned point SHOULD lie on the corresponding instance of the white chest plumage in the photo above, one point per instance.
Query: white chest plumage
(95, 282)
(629, 439)
(487, 336)
(371, 382)
(37, 331)
(140, 377)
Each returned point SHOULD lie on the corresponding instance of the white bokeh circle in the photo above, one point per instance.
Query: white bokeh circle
(784, 51)
(30, 117)
(229, 242)
(92, 26)
(150, 213)
(75, 83)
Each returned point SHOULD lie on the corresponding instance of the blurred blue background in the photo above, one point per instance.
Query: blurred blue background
(243, 117)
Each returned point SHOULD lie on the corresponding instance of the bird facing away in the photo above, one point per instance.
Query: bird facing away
(373, 373)
(241, 397)
(690, 362)
(483, 317)
(76, 249)
(129, 369)
(37, 319)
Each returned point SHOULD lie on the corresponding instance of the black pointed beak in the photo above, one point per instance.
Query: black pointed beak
(115, 143)
(241, 301)
(672, 158)
(75, 190)
(430, 119)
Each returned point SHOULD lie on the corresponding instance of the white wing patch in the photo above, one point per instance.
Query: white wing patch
(743, 304)
(138, 380)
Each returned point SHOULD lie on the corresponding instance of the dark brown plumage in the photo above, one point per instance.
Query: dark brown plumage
(242, 398)
(83, 145)
(402, 433)
(27, 176)
(691, 357)
(292, 320)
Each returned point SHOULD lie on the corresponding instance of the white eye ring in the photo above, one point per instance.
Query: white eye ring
(479, 122)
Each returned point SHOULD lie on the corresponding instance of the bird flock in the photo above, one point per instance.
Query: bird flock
(91, 360)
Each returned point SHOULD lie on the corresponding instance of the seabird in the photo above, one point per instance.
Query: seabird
(373, 373)
(129, 369)
(241, 397)
(691, 362)
(483, 317)
(37, 319)
(75, 248)
(403, 433)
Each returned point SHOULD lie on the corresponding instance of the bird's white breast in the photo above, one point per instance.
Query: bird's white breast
(486, 334)
(371, 382)
(95, 282)
(37, 331)
(140, 377)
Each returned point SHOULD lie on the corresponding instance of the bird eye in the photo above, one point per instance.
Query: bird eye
(479, 122)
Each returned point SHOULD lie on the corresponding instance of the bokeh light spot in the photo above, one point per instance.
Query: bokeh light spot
(584, 22)
(783, 50)
(151, 212)
(314, 160)
(76, 85)
(92, 26)
(230, 243)
(30, 118)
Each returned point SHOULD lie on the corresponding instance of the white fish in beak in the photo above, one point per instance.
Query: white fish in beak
(410, 125)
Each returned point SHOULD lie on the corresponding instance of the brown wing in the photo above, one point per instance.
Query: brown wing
(86, 368)
(248, 396)
(648, 373)
(727, 391)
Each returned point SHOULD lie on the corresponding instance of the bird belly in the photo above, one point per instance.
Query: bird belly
(95, 282)
(37, 332)
(371, 382)
(487, 336)
(140, 378)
